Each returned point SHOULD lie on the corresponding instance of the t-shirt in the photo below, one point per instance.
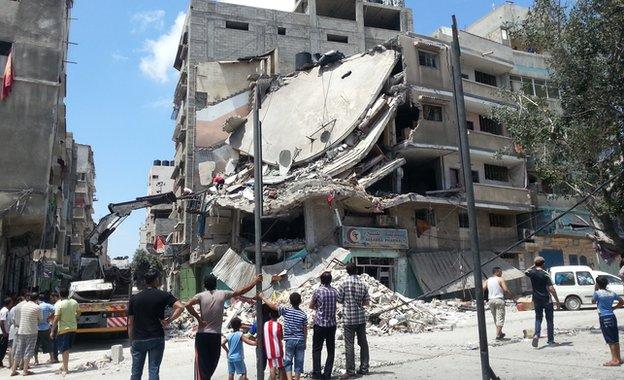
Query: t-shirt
(236, 352)
(4, 314)
(148, 309)
(273, 334)
(604, 300)
(11, 320)
(295, 322)
(29, 317)
(540, 281)
(46, 311)
(66, 310)
(211, 303)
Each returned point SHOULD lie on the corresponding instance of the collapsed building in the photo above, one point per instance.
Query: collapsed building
(361, 160)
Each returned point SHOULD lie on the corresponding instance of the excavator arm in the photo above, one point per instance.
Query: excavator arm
(118, 212)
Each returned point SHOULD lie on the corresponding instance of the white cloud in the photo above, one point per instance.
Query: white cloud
(282, 5)
(158, 63)
(166, 103)
(118, 57)
(143, 20)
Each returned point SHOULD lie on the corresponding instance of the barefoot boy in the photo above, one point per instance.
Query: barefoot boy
(608, 323)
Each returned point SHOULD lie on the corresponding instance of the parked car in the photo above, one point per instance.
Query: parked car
(575, 284)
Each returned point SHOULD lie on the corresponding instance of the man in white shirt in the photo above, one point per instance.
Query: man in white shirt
(28, 318)
(4, 328)
(13, 326)
(497, 289)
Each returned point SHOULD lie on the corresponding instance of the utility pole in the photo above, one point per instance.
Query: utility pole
(464, 149)
(257, 137)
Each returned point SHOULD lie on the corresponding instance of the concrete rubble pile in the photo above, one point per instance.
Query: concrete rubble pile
(414, 317)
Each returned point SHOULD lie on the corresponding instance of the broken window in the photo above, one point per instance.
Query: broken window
(344, 9)
(338, 38)
(501, 220)
(457, 180)
(237, 25)
(281, 31)
(420, 177)
(433, 113)
(426, 214)
(273, 229)
(383, 18)
(406, 120)
(463, 220)
(379, 268)
(496, 173)
(427, 59)
(485, 78)
(490, 125)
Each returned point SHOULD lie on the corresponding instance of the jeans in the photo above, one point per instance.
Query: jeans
(540, 309)
(140, 348)
(295, 351)
(350, 331)
(327, 335)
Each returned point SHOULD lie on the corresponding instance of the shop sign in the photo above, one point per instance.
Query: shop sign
(364, 237)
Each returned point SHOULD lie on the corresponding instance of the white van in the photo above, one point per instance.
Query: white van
(575, 284)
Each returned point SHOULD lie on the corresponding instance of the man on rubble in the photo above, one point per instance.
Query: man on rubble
(324, 304)
(353, 295)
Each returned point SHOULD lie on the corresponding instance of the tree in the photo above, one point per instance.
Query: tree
(576, 148)
(142, 261)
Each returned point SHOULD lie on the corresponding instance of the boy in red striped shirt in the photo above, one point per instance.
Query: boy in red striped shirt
(273, 336)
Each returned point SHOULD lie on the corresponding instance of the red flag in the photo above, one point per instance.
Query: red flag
(7, 79)
(159, 244)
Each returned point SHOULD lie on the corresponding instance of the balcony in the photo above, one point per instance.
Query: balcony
(483, 91)
(488, 141)
(512, 196)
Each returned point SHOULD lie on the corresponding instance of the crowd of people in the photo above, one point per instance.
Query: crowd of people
(284, 345)
(37, 323)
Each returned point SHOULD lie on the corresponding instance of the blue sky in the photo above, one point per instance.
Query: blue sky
(120, 90)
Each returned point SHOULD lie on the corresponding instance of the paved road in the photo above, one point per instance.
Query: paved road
(440, 355)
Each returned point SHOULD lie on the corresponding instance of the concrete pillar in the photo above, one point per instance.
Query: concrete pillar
(314, 31)
(406, 21)
(359, 22)
(117, 353)
(308, 218)
(401, 268)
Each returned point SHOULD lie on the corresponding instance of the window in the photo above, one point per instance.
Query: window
(427, 59)
(463, 220)
(485, 78)
(465, 76)
(457, 180)
(540, 87)
(501, 220)
(154, 176)
(584, 278)
(490, 126)
(612, 280)
(496, 173)
(573, 259)
(470, 125)
(534, 87)
(5, 48)
(552, 91)
(433, 113)
(582, 260)
(237, 25)
(281, 31)
(337, 38)
(564, 278)
(427, 215)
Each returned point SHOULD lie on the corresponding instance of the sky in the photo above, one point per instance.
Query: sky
(120, 89)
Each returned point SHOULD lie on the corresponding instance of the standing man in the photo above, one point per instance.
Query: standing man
(353, 295)
(542, 289)
(54, 299)
(146, 319)
(28, 317)
(19, 302)
(64, 326)
(324, 304)
(4, 328)
(44, 340)
(497, 289)
(208, 337)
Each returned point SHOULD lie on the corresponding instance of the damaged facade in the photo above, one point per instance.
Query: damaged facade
(157, 228)
(360, 152)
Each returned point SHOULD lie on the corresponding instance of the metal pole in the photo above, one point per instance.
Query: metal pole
(464, 149)
(257, 137)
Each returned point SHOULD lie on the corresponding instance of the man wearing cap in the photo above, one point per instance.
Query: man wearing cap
(542, 290)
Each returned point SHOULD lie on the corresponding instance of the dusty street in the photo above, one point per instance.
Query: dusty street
(440, 355)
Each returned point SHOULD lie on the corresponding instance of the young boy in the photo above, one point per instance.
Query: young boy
(233, 346)
(608, 323)
(295, 334)
(273, 336)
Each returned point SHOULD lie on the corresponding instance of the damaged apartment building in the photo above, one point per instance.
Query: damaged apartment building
(360, 147)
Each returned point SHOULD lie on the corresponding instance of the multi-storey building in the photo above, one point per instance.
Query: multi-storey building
(157, 222)
(35, 149)
(216, 31)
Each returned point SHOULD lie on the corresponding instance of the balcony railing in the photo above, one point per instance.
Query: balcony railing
(502, 194)
(483, 91)
(488, 141)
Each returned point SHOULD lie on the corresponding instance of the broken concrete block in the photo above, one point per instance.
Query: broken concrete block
(117, 353)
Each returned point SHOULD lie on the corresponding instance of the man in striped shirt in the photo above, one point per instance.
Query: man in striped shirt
(324, 303)
(353, 295)
(27, 318)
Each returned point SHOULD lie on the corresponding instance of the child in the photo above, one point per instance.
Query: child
(608, 323)
(273, 336)
(233, 345)
(295, 333)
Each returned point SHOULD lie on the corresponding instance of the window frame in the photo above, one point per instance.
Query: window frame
(486, 78)
(500, 220)
(491, 126)
(491, 173)
(569, 275)
(462, 220)
(428, 59)
(427, 112)
(429, 215)
(589, 276)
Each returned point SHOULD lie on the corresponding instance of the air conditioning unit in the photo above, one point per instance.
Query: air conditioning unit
(527, 233)
(386, 220)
